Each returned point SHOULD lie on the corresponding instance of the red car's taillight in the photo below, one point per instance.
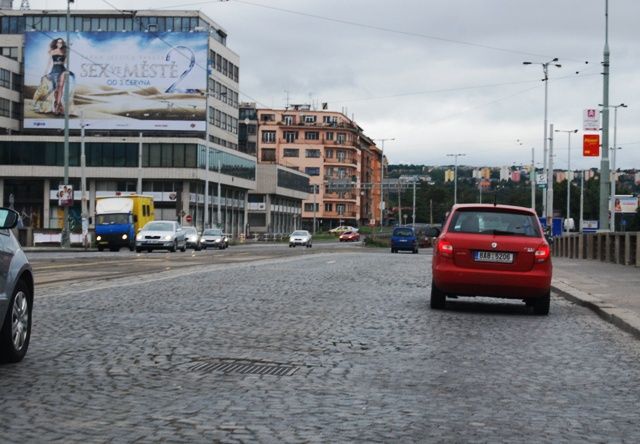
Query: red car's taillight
(445, 248)
(542, 253)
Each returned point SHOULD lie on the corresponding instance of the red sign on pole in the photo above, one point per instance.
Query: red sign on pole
(188, 218)
(591, 145)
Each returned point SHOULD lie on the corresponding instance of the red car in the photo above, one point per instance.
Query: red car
(350, 236)
(492, 250)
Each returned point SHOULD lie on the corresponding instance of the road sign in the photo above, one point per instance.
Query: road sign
(541, 179)
(188, 218)
(591, 145)
(591, 119)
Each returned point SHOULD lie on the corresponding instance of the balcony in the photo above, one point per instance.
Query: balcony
(352, 196)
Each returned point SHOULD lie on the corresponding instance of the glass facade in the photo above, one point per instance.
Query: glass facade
(21, 24)
(289, 180)
(230, 164)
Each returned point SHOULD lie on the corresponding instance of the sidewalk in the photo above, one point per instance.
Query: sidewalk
(610, 290)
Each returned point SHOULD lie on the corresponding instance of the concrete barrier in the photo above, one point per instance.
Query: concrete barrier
(618, 248)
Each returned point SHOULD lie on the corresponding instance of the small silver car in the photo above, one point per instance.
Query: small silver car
(16, 292)
(193, 237)
(161, 235)
(215, 238)
(300, 237)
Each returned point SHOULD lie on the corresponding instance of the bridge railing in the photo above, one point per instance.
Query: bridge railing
(619, 248)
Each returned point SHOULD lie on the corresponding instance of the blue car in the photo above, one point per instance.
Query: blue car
(404, 238)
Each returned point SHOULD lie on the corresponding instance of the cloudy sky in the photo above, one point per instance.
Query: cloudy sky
(440, 77)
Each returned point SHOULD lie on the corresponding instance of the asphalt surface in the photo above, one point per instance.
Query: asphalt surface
(348, 350)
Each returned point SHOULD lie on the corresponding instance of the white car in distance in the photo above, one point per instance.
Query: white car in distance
(300, 237)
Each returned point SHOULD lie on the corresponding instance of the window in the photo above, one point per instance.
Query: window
(309, 207)
(5, 107)
(268, 155)
(312, 154)
(288, 119)
(291, 152)
(340, 208)
(341, 138)
(269, 136)
(329, 135)
(268, 117)
(311, 135)
(328, 154)
(341, 156)
(290, 136)
(312, 171)
(5, 78)
(251, 129)
(328, 207)
(309, 119)
(329, 119)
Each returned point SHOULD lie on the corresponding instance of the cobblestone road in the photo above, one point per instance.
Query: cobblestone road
(134, 361)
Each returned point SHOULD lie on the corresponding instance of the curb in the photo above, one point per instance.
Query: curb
(625, 320)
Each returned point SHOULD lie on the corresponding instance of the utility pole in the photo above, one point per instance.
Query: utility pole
(549, 214)
(603, 218)
(399, 204)
(219, 214)
(83, 186)
(414, 203)
(65, 237)
(139, 182)
(545, 70)
(581, 200)
(314, 209)
(614, 172)
(569, 173)
(382, 205)
(533, 179)
(455, 176)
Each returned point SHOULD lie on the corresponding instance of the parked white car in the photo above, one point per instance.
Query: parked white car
(300, 237)
(161, 235)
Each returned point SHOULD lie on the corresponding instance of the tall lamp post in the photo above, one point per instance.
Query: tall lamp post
(603, 213)
(455, 176)
(65, 237)
(382, 141)
(569, 132)
(614, 175)
(532, 176)
(545, 70)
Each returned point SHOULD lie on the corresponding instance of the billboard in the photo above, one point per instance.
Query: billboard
(625, 204)
(118, 80)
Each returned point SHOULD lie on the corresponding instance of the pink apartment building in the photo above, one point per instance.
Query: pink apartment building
(343, 163)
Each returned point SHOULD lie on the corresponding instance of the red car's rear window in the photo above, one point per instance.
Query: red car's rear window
(494, 222)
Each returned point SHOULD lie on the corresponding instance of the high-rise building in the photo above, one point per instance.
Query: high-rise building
(156, 93)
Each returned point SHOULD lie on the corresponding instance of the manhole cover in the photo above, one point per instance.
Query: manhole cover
(243, 367)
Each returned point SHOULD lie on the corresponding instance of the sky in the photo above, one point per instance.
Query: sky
(438, 77)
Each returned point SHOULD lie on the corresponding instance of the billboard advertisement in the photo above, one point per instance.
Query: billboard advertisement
(625, 204)
(117, 80)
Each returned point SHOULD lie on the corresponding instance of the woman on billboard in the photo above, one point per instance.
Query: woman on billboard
(55, 73)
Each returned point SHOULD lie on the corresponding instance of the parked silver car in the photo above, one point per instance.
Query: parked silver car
(161, 235)
(300, 237)
(214, 238)
(16, 292)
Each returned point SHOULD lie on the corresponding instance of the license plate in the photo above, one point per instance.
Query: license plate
(493, 256)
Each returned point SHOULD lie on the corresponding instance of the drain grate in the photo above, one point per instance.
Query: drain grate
(244, 368)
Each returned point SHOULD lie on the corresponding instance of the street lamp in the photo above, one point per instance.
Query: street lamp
(532, 177)
(382, 141)
(65, 237)
(455, 176)
(614, 175)
(569, 132)
(545, 70)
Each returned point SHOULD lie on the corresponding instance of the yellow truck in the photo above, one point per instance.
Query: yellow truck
(119, 218)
